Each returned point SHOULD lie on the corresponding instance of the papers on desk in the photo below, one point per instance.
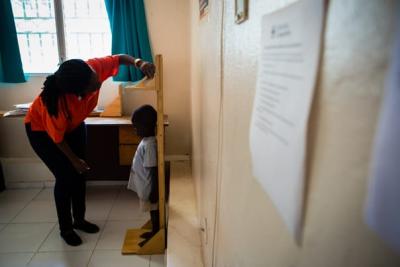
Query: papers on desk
(15, 113)
(24, 106)
(20, 110)
(288, 64)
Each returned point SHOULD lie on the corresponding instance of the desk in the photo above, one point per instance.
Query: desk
(102, 148)
(111, 145)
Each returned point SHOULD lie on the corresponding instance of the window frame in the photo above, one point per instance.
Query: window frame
(60, 36)
(60, 32)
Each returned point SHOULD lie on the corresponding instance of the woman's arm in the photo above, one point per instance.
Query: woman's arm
(147, 68)
(79, 164)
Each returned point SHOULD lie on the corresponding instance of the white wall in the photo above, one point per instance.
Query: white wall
(205, 85)
(250, 233)
(169, 26)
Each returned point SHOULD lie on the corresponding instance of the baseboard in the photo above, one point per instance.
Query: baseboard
(25, 185)
(24, 171)
(33, 173)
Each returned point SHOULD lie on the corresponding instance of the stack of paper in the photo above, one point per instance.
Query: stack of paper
(20, 110)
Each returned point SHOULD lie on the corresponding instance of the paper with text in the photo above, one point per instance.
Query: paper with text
(288, 65)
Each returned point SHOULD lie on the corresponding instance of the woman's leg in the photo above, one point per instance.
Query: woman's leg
(77, 142)
(61, 168)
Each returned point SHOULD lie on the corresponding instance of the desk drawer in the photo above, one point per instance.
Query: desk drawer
(102, 154)
(128, 136)
(126, 153)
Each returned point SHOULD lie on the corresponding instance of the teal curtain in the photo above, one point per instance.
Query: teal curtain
(129, 34)
(10, 59)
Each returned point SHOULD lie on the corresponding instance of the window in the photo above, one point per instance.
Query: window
(50, 31)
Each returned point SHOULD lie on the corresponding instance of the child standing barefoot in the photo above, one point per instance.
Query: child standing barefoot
(143, 176)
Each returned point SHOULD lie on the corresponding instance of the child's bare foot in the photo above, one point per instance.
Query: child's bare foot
(147, 235)
(141, 244)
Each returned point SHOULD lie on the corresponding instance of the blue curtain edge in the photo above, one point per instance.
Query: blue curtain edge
(15, 74)
(127, 73)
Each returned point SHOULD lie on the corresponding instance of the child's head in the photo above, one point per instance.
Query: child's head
(144, 119)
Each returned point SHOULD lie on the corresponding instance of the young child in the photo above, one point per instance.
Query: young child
(143, 177)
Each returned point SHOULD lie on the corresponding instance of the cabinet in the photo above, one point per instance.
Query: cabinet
(128, 142)
(109, 150)
(110, 146)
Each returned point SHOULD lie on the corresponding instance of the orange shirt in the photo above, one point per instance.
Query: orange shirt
(79, 108)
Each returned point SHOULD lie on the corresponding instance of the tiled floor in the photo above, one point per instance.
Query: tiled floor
(29, 233)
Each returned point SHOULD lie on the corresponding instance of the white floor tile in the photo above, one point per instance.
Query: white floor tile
(126, 207)
(98, 210)
(15, 259)
(184, 245)
(37, 211)
(108, 193)
(8, 210)
(126, 194)
(24, 237)
(47, 194)
(18, 195)
(54, 241)
(61, 259)
(114, 208)
(107, 258)
(99, 201)
(13, 201)
(113, 234)
(128, 211)
(157, 260)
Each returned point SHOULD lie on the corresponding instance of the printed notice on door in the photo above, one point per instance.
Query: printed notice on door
(287, 72)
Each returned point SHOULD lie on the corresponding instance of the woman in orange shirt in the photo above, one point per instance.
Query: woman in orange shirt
(57, 133)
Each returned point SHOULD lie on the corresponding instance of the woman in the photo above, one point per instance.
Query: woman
(56, 130)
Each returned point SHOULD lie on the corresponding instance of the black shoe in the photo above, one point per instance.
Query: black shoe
(71, 238)
(86, 227)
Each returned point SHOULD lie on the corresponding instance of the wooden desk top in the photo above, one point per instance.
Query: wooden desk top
(108, 121)
(125, 120)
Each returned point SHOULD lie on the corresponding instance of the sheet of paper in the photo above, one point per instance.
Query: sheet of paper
(288, 64)
(383, 199)
(23, 106)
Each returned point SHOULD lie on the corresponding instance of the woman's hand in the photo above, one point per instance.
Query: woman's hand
(148, 69)
(80, 166)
